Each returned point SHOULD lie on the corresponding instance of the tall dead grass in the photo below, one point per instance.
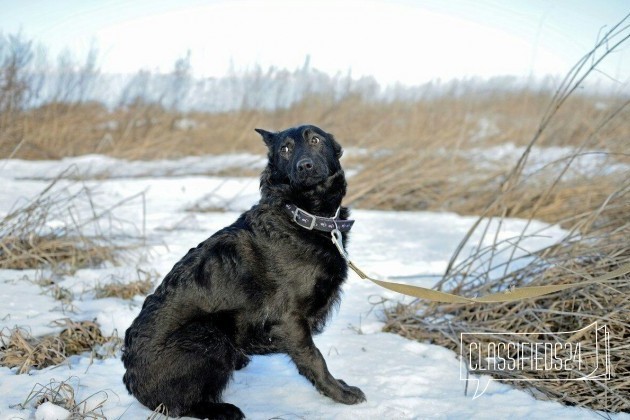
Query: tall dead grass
(414, 148)
(595, 215)
(431, 127)
(150, 118)
(63, 227)
(598, 245)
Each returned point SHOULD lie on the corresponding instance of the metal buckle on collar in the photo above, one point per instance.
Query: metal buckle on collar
(313, 219)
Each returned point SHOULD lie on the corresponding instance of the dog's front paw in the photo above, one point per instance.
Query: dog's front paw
(348, 394)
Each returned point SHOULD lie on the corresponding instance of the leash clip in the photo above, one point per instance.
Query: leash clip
(338, 241)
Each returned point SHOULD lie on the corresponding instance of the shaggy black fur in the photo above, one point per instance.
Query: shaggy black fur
(262, 285)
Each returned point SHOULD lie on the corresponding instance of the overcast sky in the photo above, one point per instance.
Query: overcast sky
(395, 41)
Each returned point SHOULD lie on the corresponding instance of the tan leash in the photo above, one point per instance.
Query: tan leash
(443, 297)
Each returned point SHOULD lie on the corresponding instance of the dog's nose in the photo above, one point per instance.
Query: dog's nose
(305, 164)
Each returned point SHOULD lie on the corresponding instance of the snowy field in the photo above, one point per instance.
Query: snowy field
(402, 379)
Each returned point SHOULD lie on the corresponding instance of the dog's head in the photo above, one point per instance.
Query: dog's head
(303, 168)
(302, 157)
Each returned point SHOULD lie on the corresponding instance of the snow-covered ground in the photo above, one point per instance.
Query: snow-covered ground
(401, 378)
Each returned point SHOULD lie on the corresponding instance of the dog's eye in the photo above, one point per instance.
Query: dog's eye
(314, 140)
(284, 149)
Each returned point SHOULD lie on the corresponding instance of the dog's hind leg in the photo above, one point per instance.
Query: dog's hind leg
(223, 411)
(201, 360)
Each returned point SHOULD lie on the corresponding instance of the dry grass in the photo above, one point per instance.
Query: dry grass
(51, 287)
(414, 155)
(447, 122)
(22, 351)
(573, 261)
(596, 217)
(127, 290)
(55, 229)
(63, 394)
(417, 146)
(418, 155)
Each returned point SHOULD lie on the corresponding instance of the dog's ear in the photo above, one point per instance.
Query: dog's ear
(267, 136)
(336, 146)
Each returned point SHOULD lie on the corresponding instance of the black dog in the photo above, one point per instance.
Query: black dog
(263, 285)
